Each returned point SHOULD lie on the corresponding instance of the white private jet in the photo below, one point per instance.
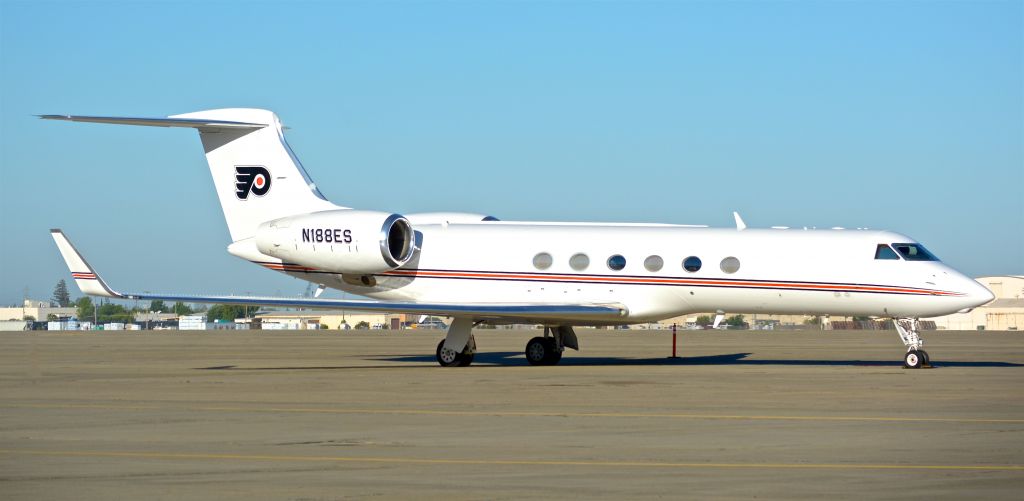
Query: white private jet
(475, 268)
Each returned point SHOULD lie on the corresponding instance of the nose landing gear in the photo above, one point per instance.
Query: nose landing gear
(915, 357)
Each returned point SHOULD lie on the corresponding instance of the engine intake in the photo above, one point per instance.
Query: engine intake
(340, 241)
(398, 241)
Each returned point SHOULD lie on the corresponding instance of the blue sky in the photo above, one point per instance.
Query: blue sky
(906, 116)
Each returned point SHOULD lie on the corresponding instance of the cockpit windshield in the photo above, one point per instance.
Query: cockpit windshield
(885, 252)
(914, 252)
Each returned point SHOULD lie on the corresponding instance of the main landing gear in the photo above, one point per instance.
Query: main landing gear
(542, 351)
(458, 348)
(548, 350)
(448, 357)
(915, 357)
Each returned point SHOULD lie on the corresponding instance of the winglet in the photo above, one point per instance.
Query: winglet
(740, 225)
(86, 278)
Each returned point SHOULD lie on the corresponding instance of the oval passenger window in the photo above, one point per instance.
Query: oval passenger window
(653, 263)
(579, 262)
(616, 262)
(542, 261)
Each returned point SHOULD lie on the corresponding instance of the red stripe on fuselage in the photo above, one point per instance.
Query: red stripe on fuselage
(633, 280)
(667, 281)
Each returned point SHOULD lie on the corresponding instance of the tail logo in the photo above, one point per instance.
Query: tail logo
(251, 179)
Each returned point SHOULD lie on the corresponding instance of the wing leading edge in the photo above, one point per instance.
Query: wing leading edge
(90, 283)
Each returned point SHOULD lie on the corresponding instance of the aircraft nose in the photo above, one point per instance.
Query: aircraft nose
(977, 294)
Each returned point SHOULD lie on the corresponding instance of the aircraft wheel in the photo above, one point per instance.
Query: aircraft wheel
(467, 359)
(912, 360)
(538, 351)
(554, 356)
(926, 361)
(451, 358)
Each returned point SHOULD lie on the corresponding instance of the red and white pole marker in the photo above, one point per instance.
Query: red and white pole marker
(673, 342)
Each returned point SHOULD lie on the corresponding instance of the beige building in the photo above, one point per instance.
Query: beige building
(1004, 313)
(150, 316)
(39, 310)
(329, 319)
(755, 320)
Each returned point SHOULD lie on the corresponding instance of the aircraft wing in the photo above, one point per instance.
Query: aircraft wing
(92, 284)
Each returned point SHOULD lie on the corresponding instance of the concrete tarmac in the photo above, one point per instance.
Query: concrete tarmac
(369, 414)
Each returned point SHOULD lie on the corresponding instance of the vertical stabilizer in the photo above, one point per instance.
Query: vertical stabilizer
(255, 173)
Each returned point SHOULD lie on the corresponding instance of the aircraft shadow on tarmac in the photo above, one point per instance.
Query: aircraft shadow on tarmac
(513, 358)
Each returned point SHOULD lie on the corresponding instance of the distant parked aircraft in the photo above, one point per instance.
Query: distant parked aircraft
(474, 268)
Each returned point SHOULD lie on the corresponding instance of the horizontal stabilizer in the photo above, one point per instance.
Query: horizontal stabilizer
(193, 123)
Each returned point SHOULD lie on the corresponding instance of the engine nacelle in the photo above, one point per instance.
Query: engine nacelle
(341, 241)
(447, 218)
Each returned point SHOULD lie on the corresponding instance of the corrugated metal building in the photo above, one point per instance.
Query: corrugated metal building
(1004, 313)
(330, 319)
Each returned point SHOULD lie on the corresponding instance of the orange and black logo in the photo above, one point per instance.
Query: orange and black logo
(251, 179)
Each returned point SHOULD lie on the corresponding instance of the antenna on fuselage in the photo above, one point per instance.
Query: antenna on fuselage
(740, 225)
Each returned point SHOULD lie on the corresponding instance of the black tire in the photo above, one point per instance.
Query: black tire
(446, 359)
(912, 360)
(537, 351)
(466, 359)
(925, 359)
(554, 356)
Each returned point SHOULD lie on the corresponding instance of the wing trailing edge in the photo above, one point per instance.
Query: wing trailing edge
(92, 284)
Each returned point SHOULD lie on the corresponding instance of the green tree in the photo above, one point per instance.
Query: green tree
(182, 309)
(704, 321)
(85, 308)
(363, 325)
(110, 312)
(735, 321)
(815, 320)
(60, 294)
(157, 306)
(51, 317)
(227, 312)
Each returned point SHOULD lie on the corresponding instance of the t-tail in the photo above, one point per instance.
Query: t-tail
(256, 174)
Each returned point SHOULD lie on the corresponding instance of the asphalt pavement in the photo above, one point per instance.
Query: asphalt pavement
(369, 414)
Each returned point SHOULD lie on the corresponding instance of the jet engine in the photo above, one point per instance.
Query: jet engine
(448, 218)
(342, 241)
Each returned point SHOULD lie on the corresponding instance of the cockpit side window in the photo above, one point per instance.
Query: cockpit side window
(914, 252)
(885, 252)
